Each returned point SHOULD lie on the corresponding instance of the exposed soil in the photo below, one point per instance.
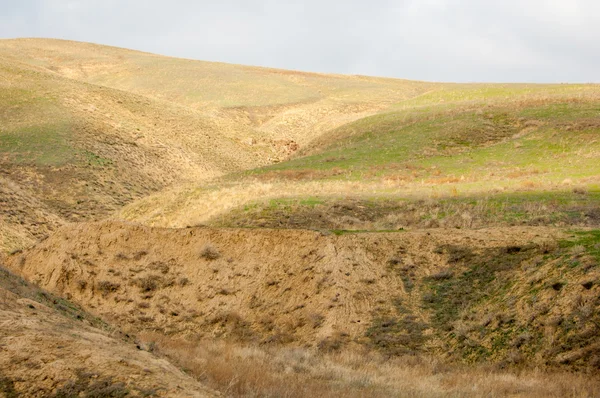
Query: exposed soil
(303, 287)
(51, 348)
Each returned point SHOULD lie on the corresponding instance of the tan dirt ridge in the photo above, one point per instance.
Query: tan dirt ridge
(276, 285)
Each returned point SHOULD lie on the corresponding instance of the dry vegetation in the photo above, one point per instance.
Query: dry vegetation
(88, 129)
(252, 371)
(452, 251)
(517, 296)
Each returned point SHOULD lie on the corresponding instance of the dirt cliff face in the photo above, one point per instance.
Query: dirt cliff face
(400, 292)
(51, 348)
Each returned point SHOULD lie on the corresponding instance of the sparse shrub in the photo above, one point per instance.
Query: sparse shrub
(279, 338)
(395, 260)
(81, 284)
(121, 256)
(159, 266)
(333, 343)
(209, 252)
(107, 287)
(92, 385)
(441, 275)
(233, 325)
(183, 282)
(7, 386)
(316, 320)
(148, 283)
(138, 256)
(457, 254)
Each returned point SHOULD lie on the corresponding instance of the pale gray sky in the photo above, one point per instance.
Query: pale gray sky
(440, 40)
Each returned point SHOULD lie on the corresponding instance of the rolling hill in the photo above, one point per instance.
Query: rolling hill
(87, 129)
(282, 233)
(505, 154)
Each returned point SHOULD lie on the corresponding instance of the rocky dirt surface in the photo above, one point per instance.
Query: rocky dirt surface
(51, 348)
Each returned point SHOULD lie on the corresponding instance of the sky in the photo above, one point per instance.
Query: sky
(436, 40)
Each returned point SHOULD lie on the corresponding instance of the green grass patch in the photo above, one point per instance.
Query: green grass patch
(45, 145)
(587, 241)
(96, 160)
(462, 143)
(389, 213)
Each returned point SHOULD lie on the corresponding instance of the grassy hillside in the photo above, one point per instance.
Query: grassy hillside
(81, 151)
(86, 129)
(477, 149)
(424, 237)
(281, 104)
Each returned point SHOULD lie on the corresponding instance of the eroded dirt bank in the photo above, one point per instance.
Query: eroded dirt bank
(471, 294)
(50, 348)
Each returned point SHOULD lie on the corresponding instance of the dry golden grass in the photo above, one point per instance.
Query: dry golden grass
(253, 371)
(189, 205)
(88, 129)
(52, 348)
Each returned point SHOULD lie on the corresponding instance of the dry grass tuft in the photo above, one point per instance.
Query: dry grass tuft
(209, 252)
(251, 371)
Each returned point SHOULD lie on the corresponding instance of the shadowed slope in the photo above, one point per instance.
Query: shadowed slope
(81, 151)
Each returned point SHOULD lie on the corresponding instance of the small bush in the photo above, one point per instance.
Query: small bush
(333, 343)
(159, 266)
(209, 252)
(7, 386)
(183, 282)
(92, 385)
(395, 260)
(316, 320)
(138, 256)
(107, 286)
(148, 283)
(442, 275)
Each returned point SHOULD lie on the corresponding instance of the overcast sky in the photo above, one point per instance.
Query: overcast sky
(439, 40)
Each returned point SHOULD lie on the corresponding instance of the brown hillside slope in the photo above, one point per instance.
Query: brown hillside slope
(396, 292)
(79, 151)
(281, 104)
(86, 129)
(50, 348)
